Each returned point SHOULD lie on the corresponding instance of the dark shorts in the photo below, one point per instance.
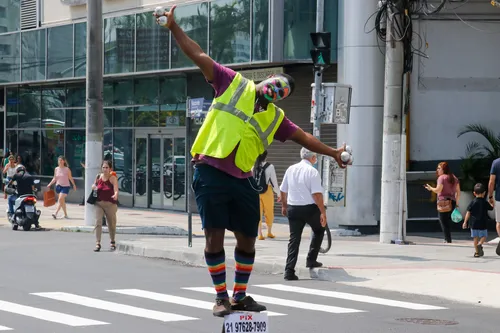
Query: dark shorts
(226, 202)
(62, 189)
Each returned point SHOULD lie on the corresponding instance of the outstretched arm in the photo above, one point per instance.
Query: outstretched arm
(308, 141)
(190, 48)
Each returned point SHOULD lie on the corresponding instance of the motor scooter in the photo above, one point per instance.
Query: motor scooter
(25, 212)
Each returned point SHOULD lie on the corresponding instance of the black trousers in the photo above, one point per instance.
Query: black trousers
(298, 217)
(445, 221)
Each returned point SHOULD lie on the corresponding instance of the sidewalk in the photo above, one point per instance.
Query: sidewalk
(429, 267)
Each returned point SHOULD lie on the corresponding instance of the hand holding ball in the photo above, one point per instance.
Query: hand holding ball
(346, 156)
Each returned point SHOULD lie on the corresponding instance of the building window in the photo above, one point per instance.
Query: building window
(10, 58)
(230, 30)
(173, 101)
(193, 19)
(53, 107)
(29, 147)
(12, 14)
(260, 30)
(152, 47)
(33, 55)
(300, 21)
(119, 38)
(75, 150)
(122, 162)
(60, 52)
(80, 40)
(52, 148)
(30, 103)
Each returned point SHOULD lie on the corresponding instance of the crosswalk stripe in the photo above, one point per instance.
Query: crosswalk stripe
(175, 299)
(285, 302)
(350, 297)
(52, 316)
(4, 328)
(114, 307)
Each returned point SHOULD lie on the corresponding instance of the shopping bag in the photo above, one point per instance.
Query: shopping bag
(49, 198)
(456, 216)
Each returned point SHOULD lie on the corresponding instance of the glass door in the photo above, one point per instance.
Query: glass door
(160, 168)
(141, 184)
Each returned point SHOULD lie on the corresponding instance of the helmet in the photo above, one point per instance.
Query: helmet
(20, 168)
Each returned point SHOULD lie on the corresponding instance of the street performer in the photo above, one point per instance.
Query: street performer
(240, 125)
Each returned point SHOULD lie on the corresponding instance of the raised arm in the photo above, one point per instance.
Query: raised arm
(190, 48)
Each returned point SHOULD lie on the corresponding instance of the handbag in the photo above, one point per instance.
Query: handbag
(49, 198)
(444, 206)
(93, 199)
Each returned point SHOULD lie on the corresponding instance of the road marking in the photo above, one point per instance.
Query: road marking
(55, 317)
(350, 297)
(286, 302)
(114, 307)
(175, 299)
(4, 328)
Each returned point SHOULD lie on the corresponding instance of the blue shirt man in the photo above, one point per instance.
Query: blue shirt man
(494, 185)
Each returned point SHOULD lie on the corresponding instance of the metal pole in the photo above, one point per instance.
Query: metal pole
(391, 143)
(189, 168)
(94, 120)
(318, 79)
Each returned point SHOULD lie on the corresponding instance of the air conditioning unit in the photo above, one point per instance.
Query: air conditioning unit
(74, 2)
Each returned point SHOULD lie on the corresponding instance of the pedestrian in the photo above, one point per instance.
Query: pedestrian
(242, 122)
(62, 178)
(494, 188)
(106, 205)
(477, 214)
(302, 202)
(448, 196)
(9, 171)
(267, 182)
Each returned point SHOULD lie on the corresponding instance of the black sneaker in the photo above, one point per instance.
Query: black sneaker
(315, 264)
(247, 304)
(480, 250)
(222, 307)
(291, 277)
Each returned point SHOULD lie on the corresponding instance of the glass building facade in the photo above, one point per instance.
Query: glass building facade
(147, 81)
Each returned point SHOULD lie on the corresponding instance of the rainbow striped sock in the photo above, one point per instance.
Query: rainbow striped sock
(243, 269)
(216, 263)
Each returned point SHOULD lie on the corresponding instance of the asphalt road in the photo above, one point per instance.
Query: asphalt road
(52, 282)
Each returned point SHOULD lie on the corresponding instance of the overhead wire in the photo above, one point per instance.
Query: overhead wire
(403, 28)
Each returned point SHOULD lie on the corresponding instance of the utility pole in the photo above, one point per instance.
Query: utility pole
(391, 144)
(318, 79)
(94, 126)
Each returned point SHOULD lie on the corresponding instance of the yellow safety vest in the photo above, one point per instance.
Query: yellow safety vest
(231, 120)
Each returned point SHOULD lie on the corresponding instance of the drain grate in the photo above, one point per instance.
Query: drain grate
(426, 321)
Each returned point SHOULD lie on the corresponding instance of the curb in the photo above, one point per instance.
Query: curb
(160, 230)
(198, 260)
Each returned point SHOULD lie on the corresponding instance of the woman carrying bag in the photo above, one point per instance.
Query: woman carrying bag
(106, 185)
(448, 191)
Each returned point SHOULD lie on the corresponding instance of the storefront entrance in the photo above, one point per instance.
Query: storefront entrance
(160, 167)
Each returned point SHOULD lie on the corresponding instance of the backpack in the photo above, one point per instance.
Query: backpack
(260, 179)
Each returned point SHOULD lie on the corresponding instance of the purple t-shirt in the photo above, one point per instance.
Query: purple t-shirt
(223, 77)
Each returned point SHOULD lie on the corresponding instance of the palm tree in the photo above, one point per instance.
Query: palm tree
(479, 157)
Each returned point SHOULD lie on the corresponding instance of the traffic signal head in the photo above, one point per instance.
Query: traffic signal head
(320, 54)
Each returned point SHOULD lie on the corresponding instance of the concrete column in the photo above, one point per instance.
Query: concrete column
(361, 64)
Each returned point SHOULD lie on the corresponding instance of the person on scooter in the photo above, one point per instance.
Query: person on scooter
(25, 185)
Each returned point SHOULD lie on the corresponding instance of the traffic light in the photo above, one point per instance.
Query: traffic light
(320, 54)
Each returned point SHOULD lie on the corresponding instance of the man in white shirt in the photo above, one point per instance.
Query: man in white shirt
(302, 203)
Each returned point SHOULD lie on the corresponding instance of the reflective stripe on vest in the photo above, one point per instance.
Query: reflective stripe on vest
(232, 109)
